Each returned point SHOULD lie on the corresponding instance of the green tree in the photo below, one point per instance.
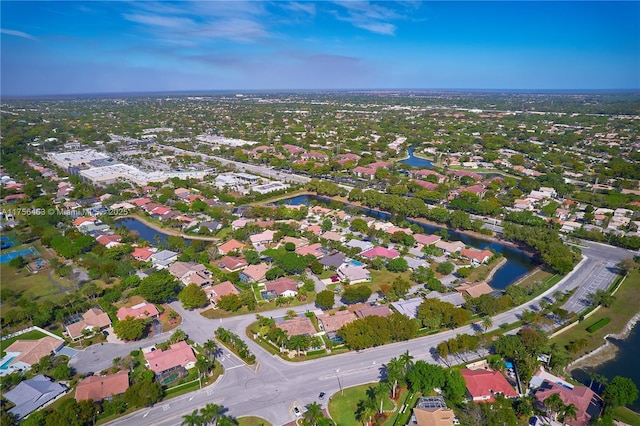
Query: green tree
(356, 293)
(325, 299)
(620, 391)
(252, 257)
(193, 296)
(178, 336)
(192, 419)
(159, 287)
(210, 413)
(130, 328)
(143, 394)
(399, 264)
(445, 268)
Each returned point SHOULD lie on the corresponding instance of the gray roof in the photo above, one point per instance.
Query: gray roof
(33, 394)
(334, 260)
(454, 297)
(163, 255)
(414, 263)
(409, 307)
(363, 245)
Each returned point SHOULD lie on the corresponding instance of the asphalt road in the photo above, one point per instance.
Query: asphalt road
(272, 387)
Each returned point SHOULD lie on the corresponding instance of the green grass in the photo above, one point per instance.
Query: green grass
(343, 406)
(30, 335)
(623, 308)
(626, 415)
(383, 276)
(404, 397)
(253, 421)
(598, 324)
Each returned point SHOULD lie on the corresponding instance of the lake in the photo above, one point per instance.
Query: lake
(145, 232)
(416, 161)
(518, 262)
(624, 364)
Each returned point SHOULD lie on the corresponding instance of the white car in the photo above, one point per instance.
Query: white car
(297, 411)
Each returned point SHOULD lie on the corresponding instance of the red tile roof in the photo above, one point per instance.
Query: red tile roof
(484, 384)
(281, 285)
(180, 354)
(587, 402)
(141, 310)
(380, 252)
(98, 388)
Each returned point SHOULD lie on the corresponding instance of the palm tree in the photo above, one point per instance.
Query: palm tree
(568, 412)
(313, 413)
(395, 372)
(210, 413)
(380, 392)
(365, 411)
(407, 360)
(487, 323)
(211, 348)
(554, 405)
(192, 419)
(226, 421)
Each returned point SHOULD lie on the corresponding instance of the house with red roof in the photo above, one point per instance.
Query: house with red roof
(178, 358)
(143, 254)
(588, 404)
(476, 256)
(142, 310)
(292, 149)
(254, 273)
(426, 185)
(98, 388)
(422, 173)
(313, 249)
(484, 385)
(232, 263)
(230, 246)
(380, 252)
(93, 318)
(314, 155)
(216, 292)
(139, 202)
(84, 219)
(109, 241)
(285, 287)
(427, 240)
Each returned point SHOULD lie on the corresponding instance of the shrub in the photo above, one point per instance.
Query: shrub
(598, 324)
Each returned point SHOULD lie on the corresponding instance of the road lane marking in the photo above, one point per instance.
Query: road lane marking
(146, 414)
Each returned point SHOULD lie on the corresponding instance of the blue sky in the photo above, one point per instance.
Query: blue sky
(72, 47)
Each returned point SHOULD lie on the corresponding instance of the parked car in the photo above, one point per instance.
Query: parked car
(321, 396)
(297, 411)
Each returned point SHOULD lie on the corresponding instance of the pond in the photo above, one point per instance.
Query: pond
(414, 161)
(517, 265)
(145, 232)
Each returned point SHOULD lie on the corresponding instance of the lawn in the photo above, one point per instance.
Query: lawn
(625, 306)
(342, 407)
(383, 276)
(33, 286)
(252, 421)
(481, 272)
(626, 416)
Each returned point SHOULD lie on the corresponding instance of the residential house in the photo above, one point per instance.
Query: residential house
(588, 404)
(178, 358)
(212, 226)
(262, 238)
(453, 297)
(22, 354)
(285, 287)
(408, 308)
(378, 311)
(333, 323)
(333, 260)
(231, 263)
(432, 411)
(477, 257)
(484, 385)
(297, 326)
(191, 273)
(423, 173)
(32, 394)
(297, 242)
(109, 241)
(333, 236)
(414, 263)
(162, 259)
(216, 292)
(380, 252)
(230, 246)
(315, 250)
(449, 247)
(143, 254)
(254, 273)
(97, 388)
(353, 273)
(142, 310)
(429, 186)
(426, 240)
(93, 318)
(474, 290)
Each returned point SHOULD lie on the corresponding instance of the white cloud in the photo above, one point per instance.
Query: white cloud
(17, 34)
(372, 16)
(159, 21)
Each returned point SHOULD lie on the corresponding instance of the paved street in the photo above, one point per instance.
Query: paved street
(271, 388)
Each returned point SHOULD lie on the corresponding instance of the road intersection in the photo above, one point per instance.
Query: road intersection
(271, 389)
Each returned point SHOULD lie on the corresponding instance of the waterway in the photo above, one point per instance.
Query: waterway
(518, 262)
(414, 161)
(624, 364)
(145, 232)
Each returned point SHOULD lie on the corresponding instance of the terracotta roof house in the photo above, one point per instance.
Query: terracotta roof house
(94, 317)
(432, 411)
(98, 388)
(80, 220)
(179, 355)
(333, 323)
(283, 286)
(297, 242)
(381, 252)
(109, 241)
(141, 310)
(588, 404)
(264, 237)
(353, 273)
(189, 273)
(215, 292)
(333, 236)
(292, 149)
(426, 172)
(429, 186)
(254, 273)
(474, 290)
(229, 246)
(143, 253)
(231, 263)
(378, 311)
(314, 229)
(314, 156)
(139, 202)
(297, 326)
(319, 210)
(483, 385)
(22, 354)
(477, 257)
(32, 394)
(426, 240)
(313, 249)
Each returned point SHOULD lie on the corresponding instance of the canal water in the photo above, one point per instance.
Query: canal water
(145, 232)
(416, 161)
(624, 364)
(518, 262)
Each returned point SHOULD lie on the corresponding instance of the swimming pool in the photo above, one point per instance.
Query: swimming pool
(5, 365)
(355, 262)
(8, 257)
